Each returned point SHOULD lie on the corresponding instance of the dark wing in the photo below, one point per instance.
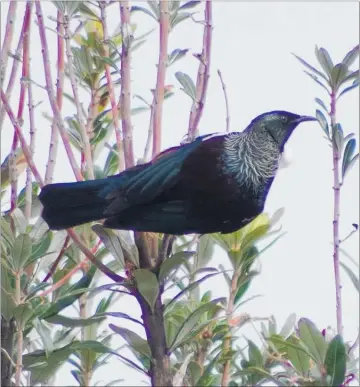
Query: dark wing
(150, 182)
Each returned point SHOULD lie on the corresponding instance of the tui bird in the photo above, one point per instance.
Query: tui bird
(217, 183)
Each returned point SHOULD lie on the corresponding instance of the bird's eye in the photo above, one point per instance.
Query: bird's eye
(283, 119)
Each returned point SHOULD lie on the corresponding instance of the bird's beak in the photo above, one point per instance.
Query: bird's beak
(305, 118)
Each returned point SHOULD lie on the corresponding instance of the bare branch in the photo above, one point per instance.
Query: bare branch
(110, 86)
(150, 132)
(25, 148)
(336, 238)
(203, 74)
(9, 31)
(226, 101)
(54, 140)
(124, 104)
(161, 73)
(16, 63)
(79, 111)
(50, 90)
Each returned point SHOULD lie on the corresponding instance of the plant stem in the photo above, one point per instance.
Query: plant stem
(125, 96)
(226, 101)
(160, 370)
(160, 79)
(203, 74)
(20, 337)
(8, 329)
(54, 139)
(336, 220)
(79, 110)
(110, 86)
(9, 31)
(227, 341)
(50, 90)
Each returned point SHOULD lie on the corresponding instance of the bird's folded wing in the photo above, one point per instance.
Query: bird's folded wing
(159, 175)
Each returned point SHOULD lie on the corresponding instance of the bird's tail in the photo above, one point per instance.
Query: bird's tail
(71, 204)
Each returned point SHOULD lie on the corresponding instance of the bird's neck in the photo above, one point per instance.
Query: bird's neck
(252, 158)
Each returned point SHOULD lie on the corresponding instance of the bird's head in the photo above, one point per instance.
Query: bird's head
(279, 124)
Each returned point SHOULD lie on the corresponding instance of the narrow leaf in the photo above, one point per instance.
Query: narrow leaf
(187, 83)
(173, 263)
(299, 359)
(321, 103)
(133, 339)
(354, 279)
(351, 56)
(324, 59)
(148, 286)
(313, 339)
(313, 69)
(288, 326)
(322, 121)
(347, 89)
(335, 361)
(348, 154)
(350, 164)
(21, 251)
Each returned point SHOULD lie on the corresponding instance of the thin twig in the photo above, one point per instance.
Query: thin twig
(9, 31)
(79, 111)
(26, 73)
(110, 85)
(160, 80)
(25, 147)
(54, 140)
(227, 341)
(57, 260)
(16, 63)
(336, 239)
(226, 101)
(203, 74)
(125, 97)
(20, 335)
(150, 132)
(5, 352)
(50, 90)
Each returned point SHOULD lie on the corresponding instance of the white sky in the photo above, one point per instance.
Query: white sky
(252, 45)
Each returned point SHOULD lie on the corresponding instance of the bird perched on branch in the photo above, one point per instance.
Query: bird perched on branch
(217, 183)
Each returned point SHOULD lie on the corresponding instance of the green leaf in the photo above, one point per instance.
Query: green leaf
(338, 75)
(347, 89)
(111, 242)
(323, 122)
(335, 361)
(255, 356)
(352, 75)
(121, 315)
(189, 4)
(136, 8)
(45, 335)
(313, 69)
(204, 251)
(351, 56)
(75, 322)
(21, 251)
(354, 279)
(148, 286)
(348, 155)
(187, 84)
(299, 359)
(176, 55)
(288, 326)
(191, 322)
(22, 314)
(316, 79)
(283, 345)
(20, 220)
(313, 339)
(190, 287)
(173, 263)
(39, 249)
(134, 340)
(350, 164)
(324, 59)
(110, 62)
(338, 137)
(321, 103)
(206, 378)
(79, 287)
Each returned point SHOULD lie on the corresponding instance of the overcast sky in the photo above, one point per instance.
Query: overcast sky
(252, 46)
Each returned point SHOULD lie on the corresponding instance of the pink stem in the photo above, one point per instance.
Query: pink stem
(124, 103)
(203, 74)
(50, 90)
(161, 73)
(25, 148)
(110, 87)
(336, 239)
(54, 140)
